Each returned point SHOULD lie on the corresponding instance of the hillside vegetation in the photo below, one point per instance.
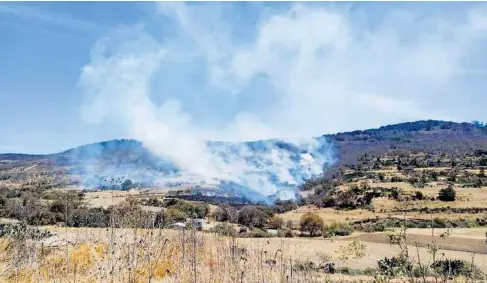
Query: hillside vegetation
(405, 203)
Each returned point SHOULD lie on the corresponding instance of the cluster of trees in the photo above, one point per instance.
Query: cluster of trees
(312, 225)
(416, 159)
(254, 216)
(51, 208)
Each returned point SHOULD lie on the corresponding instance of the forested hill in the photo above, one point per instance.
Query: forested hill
(428, 136)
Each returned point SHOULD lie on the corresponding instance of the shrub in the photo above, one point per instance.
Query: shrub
(252, 216)
(285, 233)
(174, 215)
(420, 271)
(395, 193)
(93, 217)
(276, 222)
(395, 179)
(3, 202)
(329, 268)
(346, 200)
(370, 271)
(226, 213)
(22, 231)
(447, 194)
(439, 222)
(57, 207)
(290, 224)
(312, 224)
(379, 227)
(304, 266)
(256, 233)
(418, 195)
(154, 202)
(282, 206)
(191, 209)
(337, 229)
(393, 266)
(42, 218)
(224, 229)
(344, 270)
(449, 267)
(168, 202)
(14, 194)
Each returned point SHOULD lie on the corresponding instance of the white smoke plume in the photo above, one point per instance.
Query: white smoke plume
(199, 74)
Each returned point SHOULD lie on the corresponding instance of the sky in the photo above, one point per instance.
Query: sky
(80, 72)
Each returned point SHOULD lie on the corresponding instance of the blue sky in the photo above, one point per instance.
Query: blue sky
(74, 73)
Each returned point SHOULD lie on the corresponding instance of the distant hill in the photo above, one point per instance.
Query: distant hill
(428, 136)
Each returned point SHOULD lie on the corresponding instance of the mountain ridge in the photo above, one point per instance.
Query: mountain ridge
(415, 126)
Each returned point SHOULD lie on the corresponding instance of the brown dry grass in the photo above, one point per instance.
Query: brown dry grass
(131, 255)
(386, 207)
(452, 243)
(328, 214)
(108, 198)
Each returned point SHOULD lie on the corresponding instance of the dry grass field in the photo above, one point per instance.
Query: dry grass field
(137, 255)
(328, 214)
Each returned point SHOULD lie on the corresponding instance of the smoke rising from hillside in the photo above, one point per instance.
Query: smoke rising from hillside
(119, 86)
(290, 75)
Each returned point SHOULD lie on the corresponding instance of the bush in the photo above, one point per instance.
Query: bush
(226, 213)
(370, 271)
(379, 227)
(447, 194)
(14, 194)
(344, 270)
(57, 207)
(312, 224)
(337, 229)
(154, 202)
(93, 217)
(191, 209)
(172, 215)
(449, 267)
(256, 233)
(420, 271)
(290, 224)
(418, 195)
(224, 229)
(276, 222)
(252, 216)
(285, 233)
(346, 200)
(395, 193)
(329, 268)
(22, 231)
(282, 206)
(439, 222)
(393, 266)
